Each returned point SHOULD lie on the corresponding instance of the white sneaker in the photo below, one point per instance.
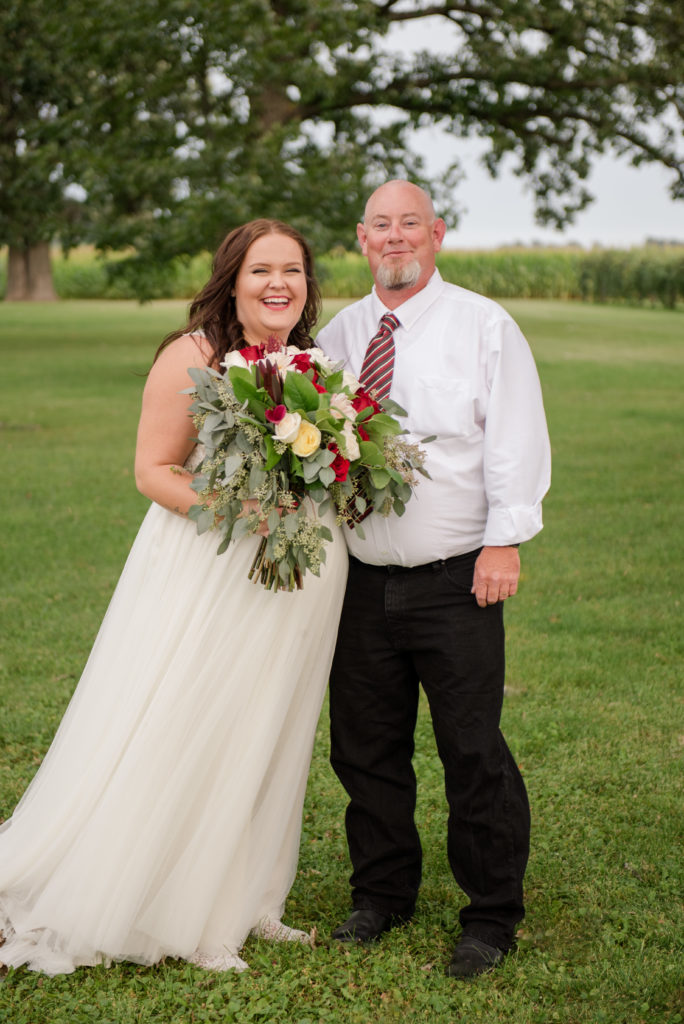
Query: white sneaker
(276, 931)
(218, 962)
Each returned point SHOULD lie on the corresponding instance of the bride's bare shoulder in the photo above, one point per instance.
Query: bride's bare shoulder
(192, 347)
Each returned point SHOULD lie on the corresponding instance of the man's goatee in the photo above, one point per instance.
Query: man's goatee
(394, 277)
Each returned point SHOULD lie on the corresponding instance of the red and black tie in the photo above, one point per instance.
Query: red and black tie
(378, 363)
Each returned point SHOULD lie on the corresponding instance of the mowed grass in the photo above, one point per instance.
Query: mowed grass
(594, 711)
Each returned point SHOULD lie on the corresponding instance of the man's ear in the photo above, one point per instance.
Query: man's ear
(361, 235)
(438, 233)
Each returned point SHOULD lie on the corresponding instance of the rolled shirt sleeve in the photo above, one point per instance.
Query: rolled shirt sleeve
(516, 449)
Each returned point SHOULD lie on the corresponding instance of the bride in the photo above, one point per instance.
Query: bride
(165, 818)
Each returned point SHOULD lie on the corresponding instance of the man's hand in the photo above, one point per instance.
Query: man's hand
(496, 575)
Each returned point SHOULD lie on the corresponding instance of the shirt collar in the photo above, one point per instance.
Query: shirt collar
(409, 312)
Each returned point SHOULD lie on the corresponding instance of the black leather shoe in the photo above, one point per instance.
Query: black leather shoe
(363, 926)
(473, 956)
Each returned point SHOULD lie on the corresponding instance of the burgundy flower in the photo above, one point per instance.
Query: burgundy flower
(275, 415)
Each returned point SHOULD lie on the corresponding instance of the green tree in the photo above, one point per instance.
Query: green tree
(178, 120)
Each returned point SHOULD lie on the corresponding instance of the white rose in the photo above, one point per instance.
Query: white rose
(233, 359)
(320, 359)
(350, 444)
(281, 359)
(340, 405)
(288, 428)
(350, 382)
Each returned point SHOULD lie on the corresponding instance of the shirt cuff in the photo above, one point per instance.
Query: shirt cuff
(507, 526)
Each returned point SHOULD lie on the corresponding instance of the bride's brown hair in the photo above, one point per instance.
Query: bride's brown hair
(213, 312)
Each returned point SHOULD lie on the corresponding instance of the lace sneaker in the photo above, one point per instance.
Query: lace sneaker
(218, 962)
(274, 930)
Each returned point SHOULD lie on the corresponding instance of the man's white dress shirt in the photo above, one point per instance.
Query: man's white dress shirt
(463, 371)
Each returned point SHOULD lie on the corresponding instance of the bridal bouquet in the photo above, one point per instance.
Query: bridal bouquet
(287, 435)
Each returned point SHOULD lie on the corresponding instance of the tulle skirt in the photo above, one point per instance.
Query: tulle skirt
(166, 815)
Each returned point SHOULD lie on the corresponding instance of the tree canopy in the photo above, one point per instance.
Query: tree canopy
(159, 126)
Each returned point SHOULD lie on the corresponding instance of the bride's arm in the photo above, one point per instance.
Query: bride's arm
(166, 429)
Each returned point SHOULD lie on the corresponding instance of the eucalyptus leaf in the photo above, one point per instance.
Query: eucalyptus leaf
(326, 476)
(205, 520)
(317, 493)
(243, 442)
(325, 457)
(198, 483)
(257, 478)
(393, 408)
(240, 529)
(310, 470)
(291, 525)
(231, 465)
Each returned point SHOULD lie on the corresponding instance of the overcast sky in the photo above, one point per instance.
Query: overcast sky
(631, 204)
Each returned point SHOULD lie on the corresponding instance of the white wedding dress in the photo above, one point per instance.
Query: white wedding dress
(165, 818)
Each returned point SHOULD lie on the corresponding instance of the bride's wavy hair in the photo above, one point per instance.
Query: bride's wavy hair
(213, 310)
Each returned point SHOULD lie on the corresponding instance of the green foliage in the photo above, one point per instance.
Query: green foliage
(178, 120)
(591, 713)
(649, 276)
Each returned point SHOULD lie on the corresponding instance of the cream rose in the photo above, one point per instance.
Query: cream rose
(340, 405)
(287, 429)
(308, 439)
(350, 444)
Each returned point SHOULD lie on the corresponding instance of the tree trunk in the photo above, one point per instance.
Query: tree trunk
(29, 274)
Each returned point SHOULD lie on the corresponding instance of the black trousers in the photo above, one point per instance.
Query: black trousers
(399, 629)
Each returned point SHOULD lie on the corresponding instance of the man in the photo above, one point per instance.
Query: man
(424, 601)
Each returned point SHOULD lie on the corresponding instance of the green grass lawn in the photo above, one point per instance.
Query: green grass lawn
(594, 711)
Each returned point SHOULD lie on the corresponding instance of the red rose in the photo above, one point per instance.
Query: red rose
(362, 400)
(252, 353)
(339, 465)
(302, 361)
(363, 434)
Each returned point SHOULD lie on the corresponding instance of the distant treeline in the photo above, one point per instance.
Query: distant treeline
(650, 275)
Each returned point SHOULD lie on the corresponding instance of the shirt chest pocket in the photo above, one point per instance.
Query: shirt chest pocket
(444, 406)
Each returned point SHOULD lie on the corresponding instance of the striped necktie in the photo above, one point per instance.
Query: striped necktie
(378, 363)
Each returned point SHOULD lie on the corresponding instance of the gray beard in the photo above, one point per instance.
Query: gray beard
(395, 277)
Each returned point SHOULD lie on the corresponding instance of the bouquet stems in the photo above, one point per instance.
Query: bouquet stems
(265, 571)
